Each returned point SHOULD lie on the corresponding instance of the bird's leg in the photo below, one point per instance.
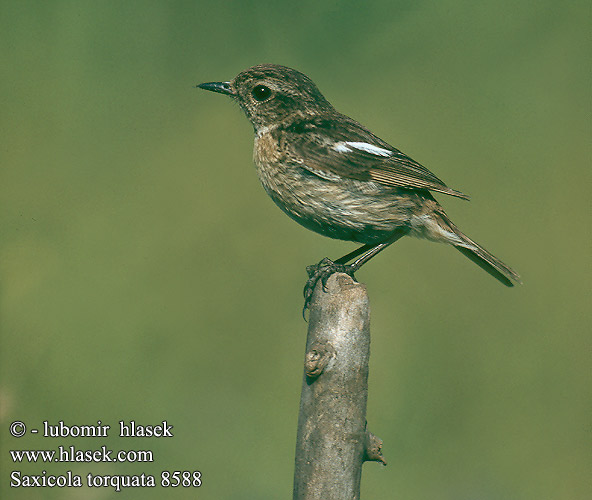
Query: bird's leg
(352, 255)
(327, 267)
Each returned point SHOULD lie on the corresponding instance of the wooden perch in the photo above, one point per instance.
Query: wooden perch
(333, 441)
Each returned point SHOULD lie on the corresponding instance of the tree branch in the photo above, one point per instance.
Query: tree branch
(332, 441)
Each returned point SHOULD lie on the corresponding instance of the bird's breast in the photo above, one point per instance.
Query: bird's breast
(338, 207)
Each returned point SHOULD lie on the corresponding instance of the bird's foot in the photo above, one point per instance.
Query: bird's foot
(322, 271)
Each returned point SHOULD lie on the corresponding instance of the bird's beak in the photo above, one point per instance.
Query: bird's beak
(220, 87)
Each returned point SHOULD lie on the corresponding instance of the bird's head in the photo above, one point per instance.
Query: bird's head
(269, 94)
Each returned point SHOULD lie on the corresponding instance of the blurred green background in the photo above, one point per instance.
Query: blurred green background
(145, 275)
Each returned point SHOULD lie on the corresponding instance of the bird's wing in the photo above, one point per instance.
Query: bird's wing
(341, 147)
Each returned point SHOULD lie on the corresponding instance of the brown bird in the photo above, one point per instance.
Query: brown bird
(335, 177)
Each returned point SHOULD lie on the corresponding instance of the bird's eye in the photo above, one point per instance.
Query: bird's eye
(261, 92)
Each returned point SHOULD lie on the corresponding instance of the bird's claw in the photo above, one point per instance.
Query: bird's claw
(322, 271)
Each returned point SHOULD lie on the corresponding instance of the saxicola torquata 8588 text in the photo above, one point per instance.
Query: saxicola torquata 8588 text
(335, 177)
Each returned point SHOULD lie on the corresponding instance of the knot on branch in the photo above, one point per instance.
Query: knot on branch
(373, 449)
(317, 357)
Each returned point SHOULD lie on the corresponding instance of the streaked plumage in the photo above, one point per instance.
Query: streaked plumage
(335, 177)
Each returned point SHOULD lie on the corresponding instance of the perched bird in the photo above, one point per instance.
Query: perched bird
(335, 177)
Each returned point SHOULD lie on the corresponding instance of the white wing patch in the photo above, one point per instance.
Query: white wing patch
(341, 147)
(345, 147)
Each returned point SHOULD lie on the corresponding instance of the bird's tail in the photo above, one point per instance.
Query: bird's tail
(484, 259)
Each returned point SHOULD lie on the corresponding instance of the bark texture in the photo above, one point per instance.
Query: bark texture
(333, 442)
